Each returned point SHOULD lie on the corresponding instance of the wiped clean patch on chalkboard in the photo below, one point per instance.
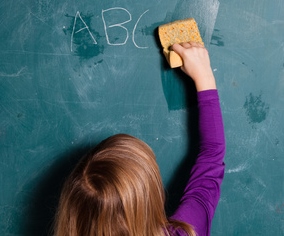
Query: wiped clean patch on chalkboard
(217, 39)
(173, 90)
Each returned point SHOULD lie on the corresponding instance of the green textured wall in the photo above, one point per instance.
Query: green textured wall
(74, 72)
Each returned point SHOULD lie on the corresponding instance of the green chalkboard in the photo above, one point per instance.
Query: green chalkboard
(75, 72)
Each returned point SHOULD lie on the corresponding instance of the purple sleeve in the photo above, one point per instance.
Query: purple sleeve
(202, 192)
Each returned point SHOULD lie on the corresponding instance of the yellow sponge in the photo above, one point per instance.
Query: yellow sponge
(179, 31)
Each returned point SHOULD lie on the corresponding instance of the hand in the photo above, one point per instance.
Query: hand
(196, 64)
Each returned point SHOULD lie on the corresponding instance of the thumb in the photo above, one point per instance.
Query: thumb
(177, 48)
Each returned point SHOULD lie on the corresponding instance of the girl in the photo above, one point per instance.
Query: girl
(116, 189)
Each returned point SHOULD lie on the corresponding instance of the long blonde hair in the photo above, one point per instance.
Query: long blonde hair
(115, 190)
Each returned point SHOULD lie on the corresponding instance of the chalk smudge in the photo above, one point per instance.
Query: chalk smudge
(256, 109)
(19, 73)
(149, 30)
(239, 168)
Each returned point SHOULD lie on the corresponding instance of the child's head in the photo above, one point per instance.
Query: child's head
(115, 190)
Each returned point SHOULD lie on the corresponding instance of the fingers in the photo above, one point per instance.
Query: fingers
(192, 44)
(177, 48)
(196, 61)
(186, 45)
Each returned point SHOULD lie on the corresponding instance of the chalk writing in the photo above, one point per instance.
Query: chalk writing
(120, 25)
(80, 25)
(106, 26)
(134, 29)
(78, 15)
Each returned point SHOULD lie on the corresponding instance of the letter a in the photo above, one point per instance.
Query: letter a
(78, 15)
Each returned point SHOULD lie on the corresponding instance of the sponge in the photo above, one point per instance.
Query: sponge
(179, 31)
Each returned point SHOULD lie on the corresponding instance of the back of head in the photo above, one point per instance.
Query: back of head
(115, 190)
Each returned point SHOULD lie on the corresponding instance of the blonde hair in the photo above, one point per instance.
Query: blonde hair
(115, 190)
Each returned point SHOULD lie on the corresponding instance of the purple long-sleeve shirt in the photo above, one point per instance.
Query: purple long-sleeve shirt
(202, 192)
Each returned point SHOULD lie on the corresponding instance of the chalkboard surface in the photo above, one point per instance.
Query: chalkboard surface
(75, 72)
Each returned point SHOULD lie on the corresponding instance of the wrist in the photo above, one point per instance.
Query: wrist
(205, 82)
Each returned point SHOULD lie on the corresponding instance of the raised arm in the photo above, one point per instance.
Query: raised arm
(202, 192)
